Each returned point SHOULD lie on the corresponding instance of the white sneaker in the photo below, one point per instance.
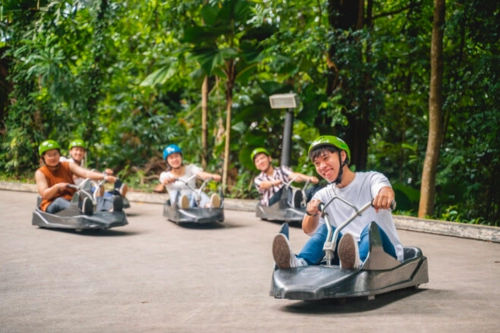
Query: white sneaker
(123, 190)
(349, 252)
(184, 202)
(215, 201)
(283, 255)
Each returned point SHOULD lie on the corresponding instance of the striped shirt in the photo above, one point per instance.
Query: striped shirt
(281, 173)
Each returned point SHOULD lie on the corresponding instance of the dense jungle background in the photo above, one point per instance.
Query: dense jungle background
(401, 81)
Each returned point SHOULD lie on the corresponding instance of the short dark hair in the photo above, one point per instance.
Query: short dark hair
(318, 151)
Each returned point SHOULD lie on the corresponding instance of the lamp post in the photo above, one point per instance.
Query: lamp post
(288, 102)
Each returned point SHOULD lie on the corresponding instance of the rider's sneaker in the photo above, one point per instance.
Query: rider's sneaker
(123, 190)
(87, 206)
(349, 252)
(184, 202)
(117, 203)
(215, 201)
(283, 255)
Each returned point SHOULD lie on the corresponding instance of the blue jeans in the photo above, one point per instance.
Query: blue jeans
(176, 195)
(312, 252)
(57, 205)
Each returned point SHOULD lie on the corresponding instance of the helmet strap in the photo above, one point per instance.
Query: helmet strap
(338, 180)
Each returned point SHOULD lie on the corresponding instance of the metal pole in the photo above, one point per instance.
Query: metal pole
(287, 138)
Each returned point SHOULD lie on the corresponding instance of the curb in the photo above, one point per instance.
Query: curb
(461, 230)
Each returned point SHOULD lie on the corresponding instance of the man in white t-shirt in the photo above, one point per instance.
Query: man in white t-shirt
(331, 156)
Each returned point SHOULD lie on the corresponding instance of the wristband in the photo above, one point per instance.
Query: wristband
(308, 214)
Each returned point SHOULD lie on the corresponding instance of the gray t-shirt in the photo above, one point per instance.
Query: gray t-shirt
(363, 189)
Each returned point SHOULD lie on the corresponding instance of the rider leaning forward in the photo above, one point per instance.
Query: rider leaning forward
(271, 181)
(77, 150)
(54, 176)
(331, 157)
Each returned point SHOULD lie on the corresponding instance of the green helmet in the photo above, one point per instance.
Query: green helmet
(77, 143)
(48, 145)
(259, 150)
(329, 140)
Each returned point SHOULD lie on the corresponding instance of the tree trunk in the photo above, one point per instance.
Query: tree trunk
(229, 102)
(204, 103)
(349, 15)
(435, 136)
(5, 88)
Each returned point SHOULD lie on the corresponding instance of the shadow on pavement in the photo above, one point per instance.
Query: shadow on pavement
(278, 224)
(207, 226)
(98, 233)
(350, 305)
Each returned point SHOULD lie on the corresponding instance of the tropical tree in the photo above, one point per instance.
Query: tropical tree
(435, 136)
(227, 46)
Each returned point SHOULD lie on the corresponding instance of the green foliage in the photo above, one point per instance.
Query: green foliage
(126, 77)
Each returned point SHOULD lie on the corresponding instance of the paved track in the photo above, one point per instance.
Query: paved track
(154, 276)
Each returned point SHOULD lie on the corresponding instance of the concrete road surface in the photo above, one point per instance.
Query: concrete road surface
(155, 276)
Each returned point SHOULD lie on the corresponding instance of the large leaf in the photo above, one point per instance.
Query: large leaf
(234, 11)
(159, 76)
(209, 14)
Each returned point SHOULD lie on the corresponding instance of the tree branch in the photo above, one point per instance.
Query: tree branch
(396, 11)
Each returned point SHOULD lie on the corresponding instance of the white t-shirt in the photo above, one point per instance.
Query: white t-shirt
(363, 189)
(77, 180)
(189, 171)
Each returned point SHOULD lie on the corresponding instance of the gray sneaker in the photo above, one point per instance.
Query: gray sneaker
(215, 201)
(184, 202)
(282, 252)
(283, 255)
(348, 252)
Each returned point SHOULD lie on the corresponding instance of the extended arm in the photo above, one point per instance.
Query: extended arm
(299, 177)
(206, 175)
(86, 173)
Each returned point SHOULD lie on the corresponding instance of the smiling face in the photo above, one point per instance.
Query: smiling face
(262, 162)
(174, 160)
(327, 164)
(51, 157)
(77, 153)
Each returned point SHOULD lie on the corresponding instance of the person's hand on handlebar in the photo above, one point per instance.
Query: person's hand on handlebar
(314, 179)
(62, 186)
(169, 180)
(109, 179)
(384, 198)
(216, 177)
(312, 208)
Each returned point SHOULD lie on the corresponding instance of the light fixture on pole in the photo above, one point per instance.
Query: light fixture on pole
(288, 102)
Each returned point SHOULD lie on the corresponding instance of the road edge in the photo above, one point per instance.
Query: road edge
(461, 230)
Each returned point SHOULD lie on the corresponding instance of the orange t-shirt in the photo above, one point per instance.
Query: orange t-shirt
(61, 175)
